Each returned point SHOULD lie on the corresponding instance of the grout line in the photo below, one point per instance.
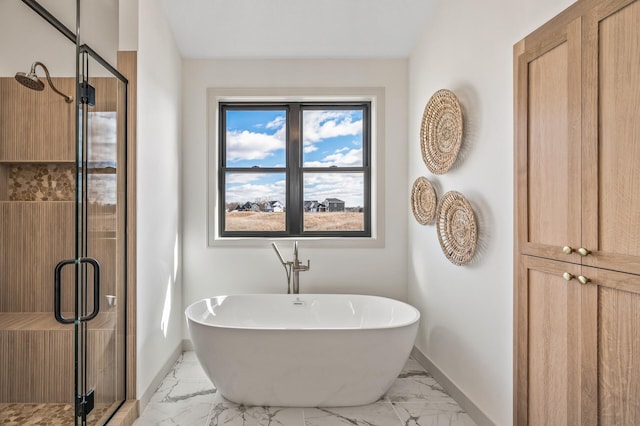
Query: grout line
(209, 415)
(393, 407)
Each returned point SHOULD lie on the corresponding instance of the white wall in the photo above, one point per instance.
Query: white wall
(466, 327)
(210, 271)
(128, 25)
(25, 37)
(21, 34)
(159, 292)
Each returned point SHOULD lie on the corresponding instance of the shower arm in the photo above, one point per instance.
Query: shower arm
(68, 99)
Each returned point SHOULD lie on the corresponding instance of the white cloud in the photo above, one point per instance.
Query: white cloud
(256, 191)
(319, 125)
(235, 178)
(246, 145)
(276, 123)
(352, 158)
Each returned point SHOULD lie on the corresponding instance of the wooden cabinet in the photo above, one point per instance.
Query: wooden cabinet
(577, 211)
(577, 103)
(611, 137)
(548, 344)
(577, 346)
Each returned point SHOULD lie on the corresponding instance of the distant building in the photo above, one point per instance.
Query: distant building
(334, 205)
(248, 207)
(314, 206)
(273, 207)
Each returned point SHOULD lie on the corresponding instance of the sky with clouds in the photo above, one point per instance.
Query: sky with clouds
(330, 138)
(103, 135)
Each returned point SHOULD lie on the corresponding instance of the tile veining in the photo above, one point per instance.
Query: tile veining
(376, 414)
(187, 397)
(227, 413)
(432, 414)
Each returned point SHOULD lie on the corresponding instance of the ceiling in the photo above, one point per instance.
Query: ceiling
(297, 28)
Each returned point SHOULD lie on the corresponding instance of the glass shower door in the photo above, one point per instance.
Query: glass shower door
(62, 196)
(101, 230)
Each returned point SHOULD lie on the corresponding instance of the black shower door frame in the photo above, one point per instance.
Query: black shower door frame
(87, 269)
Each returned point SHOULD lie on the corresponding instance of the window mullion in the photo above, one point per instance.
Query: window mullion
(294, 172)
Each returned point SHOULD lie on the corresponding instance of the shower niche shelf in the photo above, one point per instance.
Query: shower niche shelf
(37, 181)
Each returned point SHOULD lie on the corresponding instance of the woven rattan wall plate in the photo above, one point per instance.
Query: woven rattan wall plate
(423, 201)
(457, 230)
(441, 131)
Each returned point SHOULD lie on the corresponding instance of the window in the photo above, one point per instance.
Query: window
(294, 169)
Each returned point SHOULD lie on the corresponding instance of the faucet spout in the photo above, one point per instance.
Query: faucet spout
(297, 268)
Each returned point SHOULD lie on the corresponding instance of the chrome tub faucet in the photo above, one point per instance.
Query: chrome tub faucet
(293, 267)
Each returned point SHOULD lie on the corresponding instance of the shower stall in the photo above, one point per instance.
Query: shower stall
(63, 221)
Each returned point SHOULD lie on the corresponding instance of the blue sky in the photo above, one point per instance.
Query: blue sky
(258, 138)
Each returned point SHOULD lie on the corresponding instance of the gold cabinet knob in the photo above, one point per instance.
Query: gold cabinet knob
(567, 250)
(583, 251)
(567, 276)
(583, 280)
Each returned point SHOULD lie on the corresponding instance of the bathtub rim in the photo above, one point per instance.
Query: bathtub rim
(415, 310)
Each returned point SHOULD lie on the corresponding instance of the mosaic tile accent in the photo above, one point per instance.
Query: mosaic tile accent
(42, 182)
(44, 414)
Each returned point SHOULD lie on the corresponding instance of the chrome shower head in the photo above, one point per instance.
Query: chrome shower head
(32, 81)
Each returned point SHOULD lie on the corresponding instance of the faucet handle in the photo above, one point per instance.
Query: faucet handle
(306, 267)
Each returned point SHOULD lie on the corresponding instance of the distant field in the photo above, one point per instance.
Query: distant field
(260, 221)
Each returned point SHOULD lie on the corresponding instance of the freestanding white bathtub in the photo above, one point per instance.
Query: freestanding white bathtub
(307, 350)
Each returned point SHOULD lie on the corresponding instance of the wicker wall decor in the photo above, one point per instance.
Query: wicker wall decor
(457, 229)
(441, 131)
(423, 201)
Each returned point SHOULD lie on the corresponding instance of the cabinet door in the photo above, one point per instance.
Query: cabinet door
(614, 300)
(547, 140)
(611, 136)
(550, 386)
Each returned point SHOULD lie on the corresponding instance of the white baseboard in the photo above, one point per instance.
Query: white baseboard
(463, 400)
(159, 377)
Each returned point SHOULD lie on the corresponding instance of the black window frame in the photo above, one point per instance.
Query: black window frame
(294, 170)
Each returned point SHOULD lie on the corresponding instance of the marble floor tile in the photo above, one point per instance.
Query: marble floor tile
(187, 367)
(227, 413)
(376, 414)
(187, 397)
(413, 385)
(432, 414)
(179, 402)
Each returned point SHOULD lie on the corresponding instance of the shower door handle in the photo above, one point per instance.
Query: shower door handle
(57, 309)
(96, 287)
